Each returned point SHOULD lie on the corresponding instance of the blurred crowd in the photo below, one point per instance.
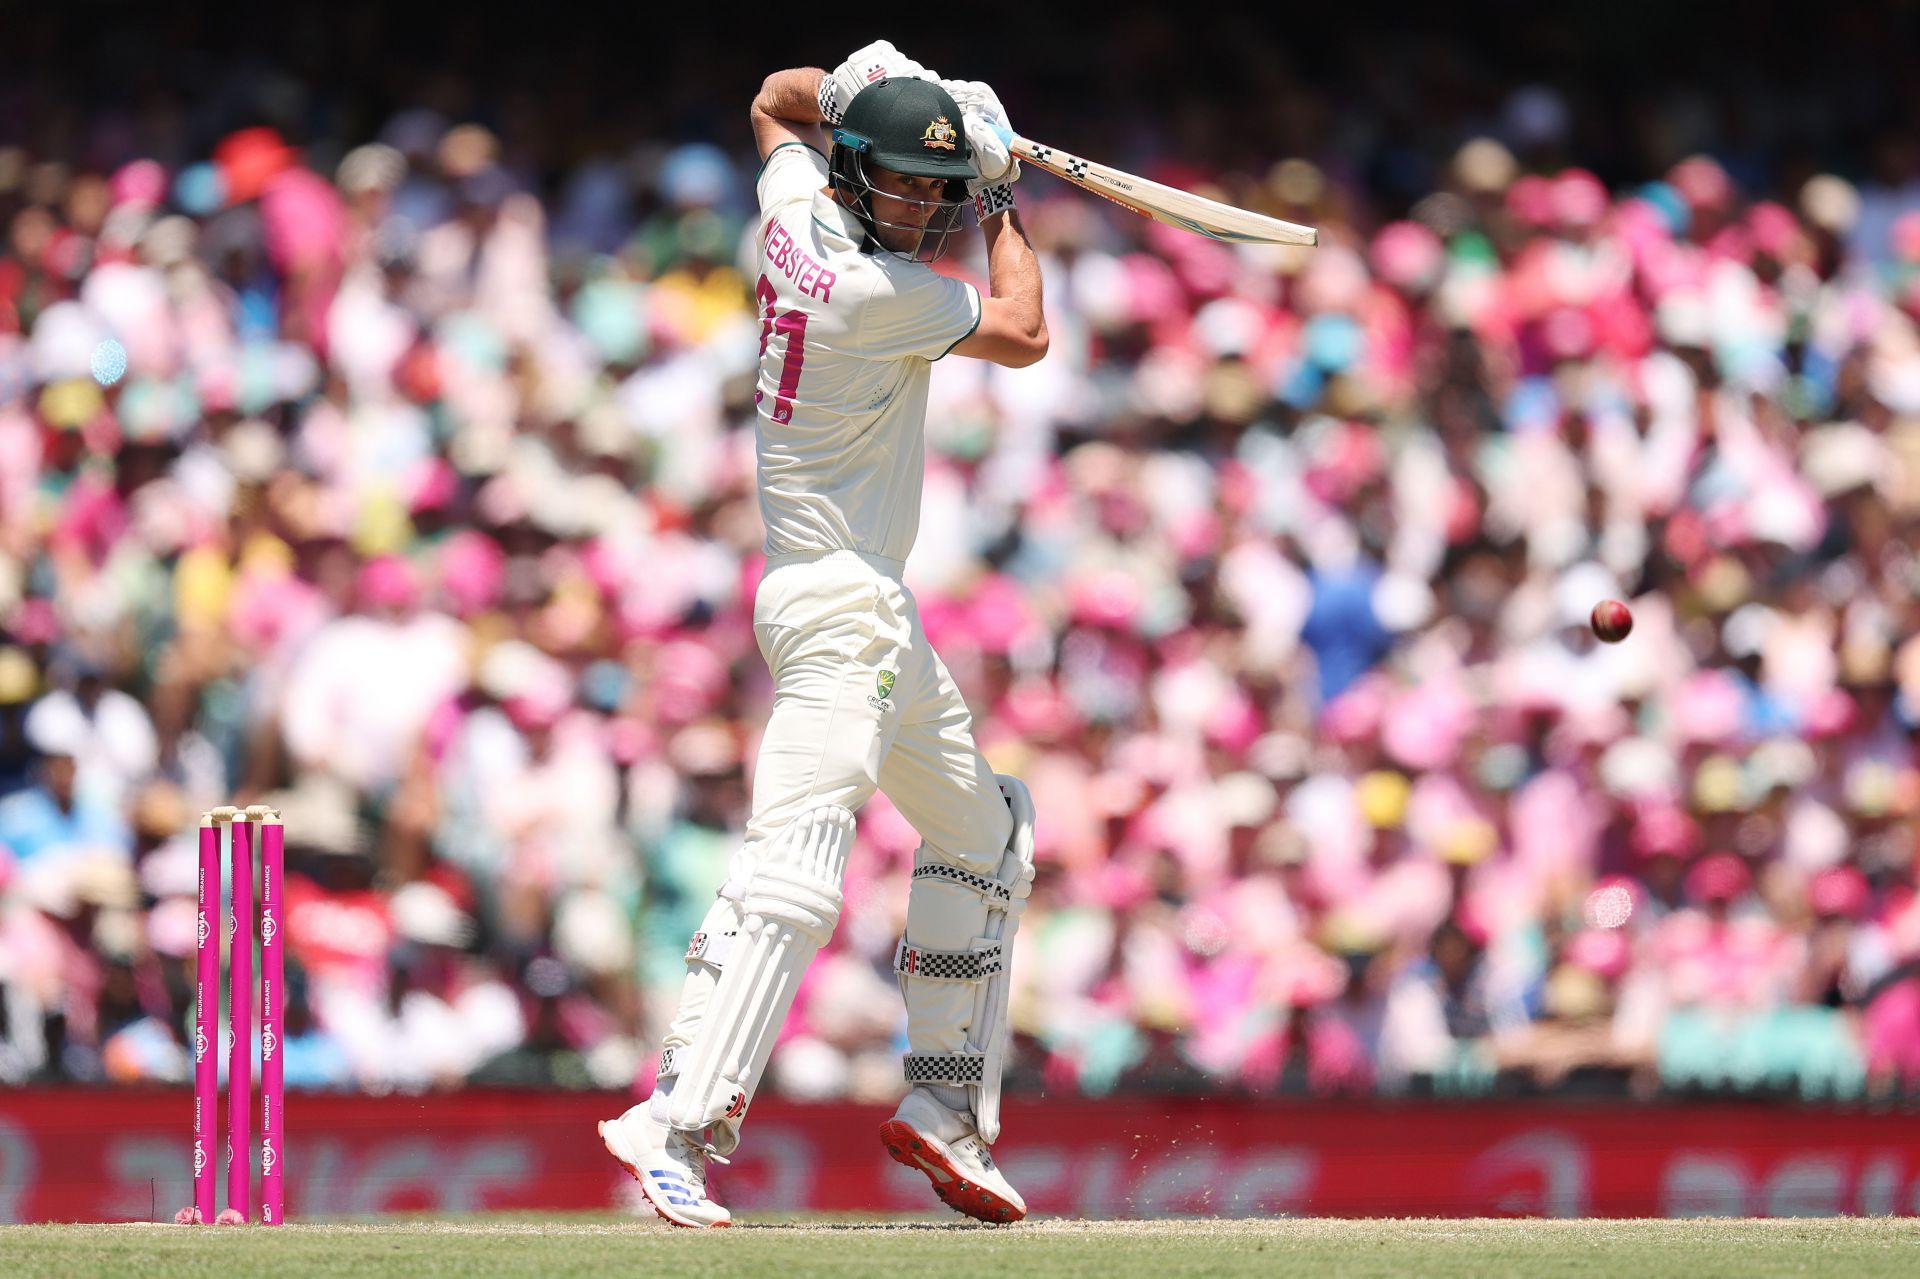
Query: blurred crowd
(412, 493)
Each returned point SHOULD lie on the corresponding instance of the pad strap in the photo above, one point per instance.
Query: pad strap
(946, 1068)
(991, 889)
(977, 964)
(930, 979)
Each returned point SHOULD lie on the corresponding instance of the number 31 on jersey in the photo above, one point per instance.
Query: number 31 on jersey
(794, 325)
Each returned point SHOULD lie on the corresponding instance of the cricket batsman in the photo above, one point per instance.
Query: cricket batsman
(852, 318)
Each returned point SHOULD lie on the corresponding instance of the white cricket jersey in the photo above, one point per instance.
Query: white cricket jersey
(847, 343)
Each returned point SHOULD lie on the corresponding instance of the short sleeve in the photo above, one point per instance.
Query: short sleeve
(792, 171)
(917, 312)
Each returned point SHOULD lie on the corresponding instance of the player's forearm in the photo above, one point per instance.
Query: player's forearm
(1013, 273)
(792, 95)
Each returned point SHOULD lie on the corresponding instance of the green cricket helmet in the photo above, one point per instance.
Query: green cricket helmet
(911, 127)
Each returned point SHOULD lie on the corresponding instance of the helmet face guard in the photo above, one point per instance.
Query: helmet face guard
(848, 169)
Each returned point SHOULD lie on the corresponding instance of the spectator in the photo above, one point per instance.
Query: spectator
(415, 500)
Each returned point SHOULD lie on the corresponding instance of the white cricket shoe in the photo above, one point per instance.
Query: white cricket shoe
(670, 1165)
(926, 1135)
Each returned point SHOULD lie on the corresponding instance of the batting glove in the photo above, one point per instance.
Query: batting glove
(990, 138)
(878, 61)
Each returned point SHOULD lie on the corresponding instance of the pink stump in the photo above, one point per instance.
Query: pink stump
(240, 1022)
(206, 1022)
(272, 1023)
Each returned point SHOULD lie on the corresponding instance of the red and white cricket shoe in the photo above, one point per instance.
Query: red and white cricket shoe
(670, 1165)
(926, 1135)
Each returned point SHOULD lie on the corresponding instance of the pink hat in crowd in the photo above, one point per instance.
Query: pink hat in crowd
(1839, 892)
(1348, 457)
(1121, 886)
(686, 678)
(631, 739)
(1356, 714)
(1578, 199)
(1195, 535)
(389, 581)
(1702, 183)
(1732, 243)
(998, 613)
(1205, 268)
(1621, 325)
(1665, 830)
(543, 702)
(139, 183)
(1718, 877)
(1111, 599)
(944, 620)
(36, 621)
(1409, 256)
(1426, 724)
(1641, 227)
(1605, 952)
(1774, 230)
(1708, 707)
(1234, 723)
(1307, 976)
(1036, 708)
(886, 828)
(266, 607)
(431, 484)
(473, 571)
(1830, 714)
(1156, 758)
(1530, 199)
(1153, 291)
(304, 218)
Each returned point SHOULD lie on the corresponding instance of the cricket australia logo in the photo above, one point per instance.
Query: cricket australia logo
(940, 135)
(883, 683)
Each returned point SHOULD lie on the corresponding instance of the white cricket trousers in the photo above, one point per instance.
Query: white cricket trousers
(861, 701)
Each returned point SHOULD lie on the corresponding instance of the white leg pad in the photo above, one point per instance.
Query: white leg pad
(706, 958)
(789, 909)
(956, 961)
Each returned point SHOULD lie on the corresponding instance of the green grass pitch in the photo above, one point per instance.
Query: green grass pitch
(1860, 1247)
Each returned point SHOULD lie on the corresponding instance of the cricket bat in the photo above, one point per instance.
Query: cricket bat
(1162, 203)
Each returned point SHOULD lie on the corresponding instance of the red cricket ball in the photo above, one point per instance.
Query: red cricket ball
(1611, 621)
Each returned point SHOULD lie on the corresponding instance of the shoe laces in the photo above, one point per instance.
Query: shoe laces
(696, 1152)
